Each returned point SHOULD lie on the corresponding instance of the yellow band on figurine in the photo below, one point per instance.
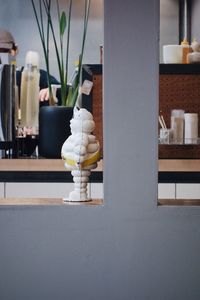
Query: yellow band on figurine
(89, 161)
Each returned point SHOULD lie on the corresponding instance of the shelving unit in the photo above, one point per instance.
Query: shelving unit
(179, 88)
(42, 181)
(179, 164)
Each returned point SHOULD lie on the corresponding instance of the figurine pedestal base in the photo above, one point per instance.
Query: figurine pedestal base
(78, 201)
(79, 194)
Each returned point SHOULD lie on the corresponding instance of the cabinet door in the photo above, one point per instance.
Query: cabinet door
(166, 191)
(2, 184)
(96, 190)
(37, 190)
(188, 191)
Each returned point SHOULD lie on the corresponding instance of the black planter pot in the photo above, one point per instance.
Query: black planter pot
(54, 128)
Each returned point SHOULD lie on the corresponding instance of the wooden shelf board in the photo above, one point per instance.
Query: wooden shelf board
(36, 165)
(178, 202)
(46, 201)
(179, 165)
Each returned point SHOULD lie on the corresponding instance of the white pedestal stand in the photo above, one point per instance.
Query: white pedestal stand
(80, 178)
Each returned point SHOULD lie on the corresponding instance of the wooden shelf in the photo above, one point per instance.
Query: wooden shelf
(179, 165)
(36, 165)
(46, 201)
(179, 68)
(178, 202)
(41, 170)
(178, 170)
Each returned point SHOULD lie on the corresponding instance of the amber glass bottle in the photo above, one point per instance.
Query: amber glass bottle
(186, 50)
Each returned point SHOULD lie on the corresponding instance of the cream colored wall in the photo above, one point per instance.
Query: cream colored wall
(45, 190)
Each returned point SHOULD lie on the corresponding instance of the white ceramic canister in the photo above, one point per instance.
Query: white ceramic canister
(191, 128)
(172, 54)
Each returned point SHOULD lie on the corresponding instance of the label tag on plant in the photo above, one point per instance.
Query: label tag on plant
(86, 87)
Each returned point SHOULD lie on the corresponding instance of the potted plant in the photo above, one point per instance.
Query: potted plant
(69, 91)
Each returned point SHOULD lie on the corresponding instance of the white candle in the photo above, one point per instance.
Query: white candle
(191, 128)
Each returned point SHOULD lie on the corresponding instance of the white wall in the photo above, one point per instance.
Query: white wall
(17, 17)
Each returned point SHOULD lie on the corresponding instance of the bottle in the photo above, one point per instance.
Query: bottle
(177, 125)
(29, 94)
(186, 50)
(191, 128)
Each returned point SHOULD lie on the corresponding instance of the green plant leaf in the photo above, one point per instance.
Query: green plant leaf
(63, 23)
(72, 96)
(46, 26)
(69, 96)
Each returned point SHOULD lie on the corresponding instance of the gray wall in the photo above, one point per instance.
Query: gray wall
(169, 24)
(195, 19)
(17, 17)
(129, 248)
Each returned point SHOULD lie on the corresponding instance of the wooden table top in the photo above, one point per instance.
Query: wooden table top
(164, 165)
(179, 165)
(36, 165)
(46, 201)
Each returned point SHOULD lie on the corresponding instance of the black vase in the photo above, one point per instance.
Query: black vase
(54, 129)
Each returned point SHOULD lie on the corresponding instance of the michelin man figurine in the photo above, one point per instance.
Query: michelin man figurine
(81, 152)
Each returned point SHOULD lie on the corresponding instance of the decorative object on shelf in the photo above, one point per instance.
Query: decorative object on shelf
(194, 57)
(186, 49)
(177, 125)
(69, 87)
(191, 128)
(184, 129)
(166, 135)
(7, 94)
(177, 54)
(81, 152)
(29, 103)
(172, 54)
(54, 124)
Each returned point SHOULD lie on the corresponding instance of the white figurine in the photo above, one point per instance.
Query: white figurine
(81, 151)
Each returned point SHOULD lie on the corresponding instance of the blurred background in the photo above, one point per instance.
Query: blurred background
(17, 17)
